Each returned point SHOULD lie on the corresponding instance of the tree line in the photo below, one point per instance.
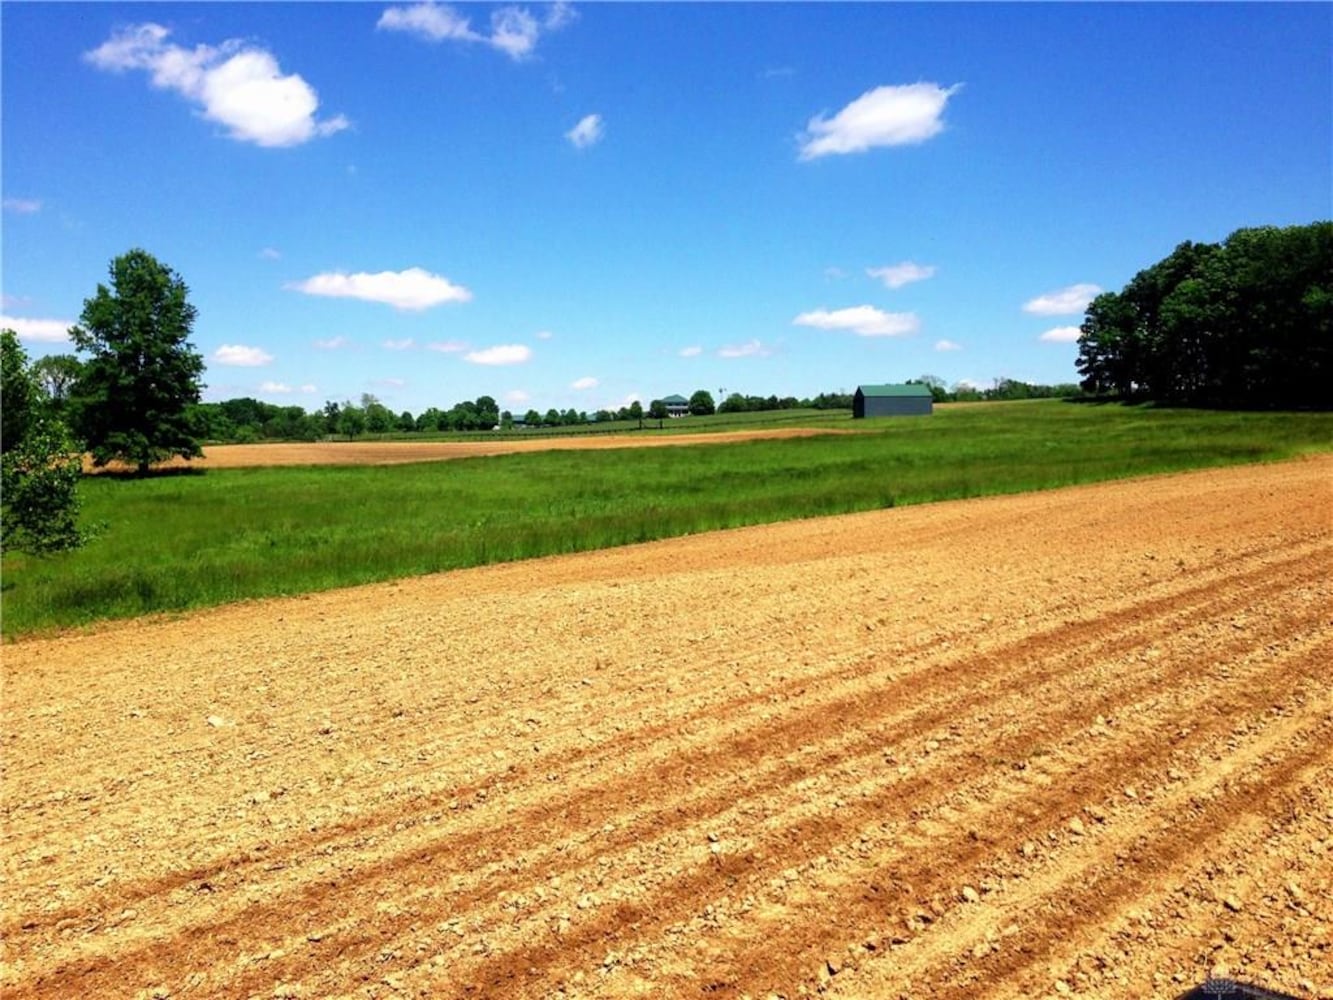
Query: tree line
(1243, 323)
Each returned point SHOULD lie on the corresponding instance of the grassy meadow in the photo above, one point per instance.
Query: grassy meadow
(183, 541)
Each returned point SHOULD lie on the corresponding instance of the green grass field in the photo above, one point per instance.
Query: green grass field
(185, 541)
(689, 425)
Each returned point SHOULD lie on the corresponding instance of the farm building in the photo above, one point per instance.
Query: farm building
(676, 406)
(892, 401)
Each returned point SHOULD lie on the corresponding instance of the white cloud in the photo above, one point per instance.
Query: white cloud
(897, 275)
(885, 116)
(405, 344)
(750, 349)
(1063, 301)
(515, 31)
(587, 382)
(1061, 335)
(390, 383)
(502, 354)
(834, 273)
(278, 387)
(234, 84)
(22, 206)
(414, 289)
(447, 346)
(433, 21)
(864, 321)
(333, 343)
(39, 331)
(947, 345)
(268, 253)
(690, 352)
(240, 356)
(517, 396)
(543, 335)
(587, 132)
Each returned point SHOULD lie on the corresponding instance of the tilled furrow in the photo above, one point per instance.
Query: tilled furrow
(848, 916)
(767, 857)
(633, 830)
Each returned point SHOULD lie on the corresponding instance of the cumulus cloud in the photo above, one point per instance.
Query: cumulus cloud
(750, 349)
(39, 331)
(235, 84)
(240, 356)
(897, 275)
(269, 253)
(885, 116)
(333, 343)
(405, 344)
(864, 321)
(690, 352)
(587, 382)
(447, 346)
(275, 387)
(412, 290)
(1063, 301)
(22, 206)
(514, 30)
(947, 345)
(1061, 335)
(586, 133)
(501, 354)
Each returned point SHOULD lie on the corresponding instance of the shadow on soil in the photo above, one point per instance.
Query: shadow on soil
(1230, 989)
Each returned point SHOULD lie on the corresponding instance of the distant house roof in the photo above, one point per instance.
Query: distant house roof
(675, 400)
(893, 391)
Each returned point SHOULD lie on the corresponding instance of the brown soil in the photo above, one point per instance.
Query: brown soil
(236, 456)
(1070, 743)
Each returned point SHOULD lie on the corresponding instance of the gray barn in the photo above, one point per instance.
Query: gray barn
(892, 401)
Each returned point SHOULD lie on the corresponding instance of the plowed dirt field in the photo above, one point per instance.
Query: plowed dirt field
(1070, 743)
(239, 456)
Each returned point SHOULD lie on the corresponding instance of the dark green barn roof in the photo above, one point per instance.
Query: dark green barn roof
(892, 391)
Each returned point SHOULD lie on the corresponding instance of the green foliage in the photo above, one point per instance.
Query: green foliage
(57, 374)
(187, 541)
(41, 500)
(21, 395)
(132, 399)
(1247, 323)
(701, 403)
(40, 465)
(379, 418)
(351, 420)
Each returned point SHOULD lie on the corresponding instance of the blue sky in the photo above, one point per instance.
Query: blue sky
(577, 205)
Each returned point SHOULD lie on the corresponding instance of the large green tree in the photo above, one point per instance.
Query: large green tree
(1244, 323)
(39, 462)
(701, 403)
(57, 374)
(132, 400)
